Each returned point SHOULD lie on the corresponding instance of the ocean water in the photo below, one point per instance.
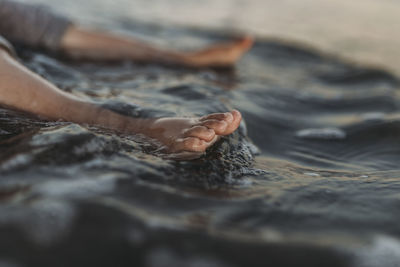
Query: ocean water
(311, 178)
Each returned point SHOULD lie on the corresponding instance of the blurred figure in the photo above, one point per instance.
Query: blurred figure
(37, 27)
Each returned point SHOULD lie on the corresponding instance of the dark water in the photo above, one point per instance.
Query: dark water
(310, 179)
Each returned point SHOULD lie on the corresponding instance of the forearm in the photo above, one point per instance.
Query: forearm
(86, 44)
(24, 90)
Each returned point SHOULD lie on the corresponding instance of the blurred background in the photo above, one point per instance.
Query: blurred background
(363, 31)
(322, 191)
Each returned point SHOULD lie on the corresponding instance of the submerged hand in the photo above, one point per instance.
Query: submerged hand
(191, 134)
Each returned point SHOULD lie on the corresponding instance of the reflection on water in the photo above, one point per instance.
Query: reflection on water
(311, 178)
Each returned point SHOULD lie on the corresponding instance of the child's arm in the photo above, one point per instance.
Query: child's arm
(95, 45)
(37, 26)
(22, 89)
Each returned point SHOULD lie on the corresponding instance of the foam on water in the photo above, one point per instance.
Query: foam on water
(324, 133)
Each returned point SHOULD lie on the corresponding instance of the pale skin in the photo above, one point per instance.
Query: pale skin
(22, 89)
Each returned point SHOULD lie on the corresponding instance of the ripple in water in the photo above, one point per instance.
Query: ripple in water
(288, 185)
(324, 133)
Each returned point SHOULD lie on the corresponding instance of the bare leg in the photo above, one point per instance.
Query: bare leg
(86, 44)
(22, 89)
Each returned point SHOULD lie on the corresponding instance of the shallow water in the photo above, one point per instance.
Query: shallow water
(310, 179)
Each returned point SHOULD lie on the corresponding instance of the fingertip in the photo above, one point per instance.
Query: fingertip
(200, 143)
(211, 133)
(228, 117)
(236, 114)
(225, 124)
(200, 146)
(222, 128)
(219, 126)
(247, 42)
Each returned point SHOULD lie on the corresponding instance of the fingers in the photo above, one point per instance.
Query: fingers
(200, 132)
(222, 123)
(208, 130)
(228, 117)
(188, 152)
(237, 118)
(191, 144)
(219, 126)
(246, 43)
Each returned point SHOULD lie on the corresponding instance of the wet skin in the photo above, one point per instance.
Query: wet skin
(24, 90)
(192, 134)
(219, 55)
(81, 43)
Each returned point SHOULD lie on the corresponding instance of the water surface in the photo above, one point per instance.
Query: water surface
(311, 178)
